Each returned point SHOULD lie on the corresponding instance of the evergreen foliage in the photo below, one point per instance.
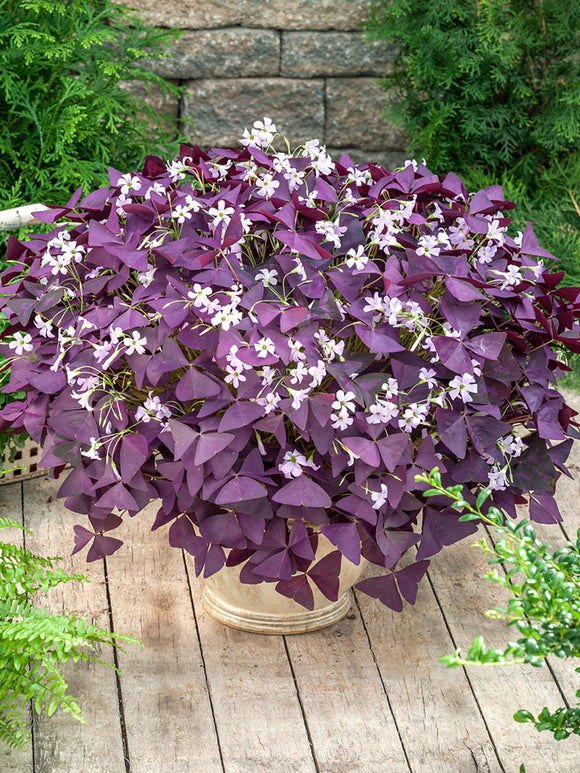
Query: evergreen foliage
(488, 84)
(34, 643)
(66, 116)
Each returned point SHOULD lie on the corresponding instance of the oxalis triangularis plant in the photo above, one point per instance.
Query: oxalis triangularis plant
(274, 345)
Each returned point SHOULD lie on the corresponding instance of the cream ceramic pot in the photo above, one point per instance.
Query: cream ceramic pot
(261, 609)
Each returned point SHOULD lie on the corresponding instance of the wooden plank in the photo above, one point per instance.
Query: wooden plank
(61, 743)
(436, 713)
(345, 705)
(258, 714)
(13, 760)
(464, 596)
(167, 710)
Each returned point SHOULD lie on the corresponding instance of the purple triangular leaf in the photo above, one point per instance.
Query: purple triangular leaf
(302, 491)
(384, 589)
(325, 574)
(210, 444)
(346, 538)
(408, 579)
(298, 589)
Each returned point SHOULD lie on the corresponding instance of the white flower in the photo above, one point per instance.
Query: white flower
(152, 408)
(146, 277)
(296, 353)
(298, 396)
(102, 351)
(267, 373)
(221, 214)
(323, 164)
(135, 343)
(270, 402)
(382, 412)
(331, 230)
(298, 373)
(268, 277)
(407, 423)
(234, 376)
(376, 304)
(391, 388)
(177, 168)
(74, 251)
(281, 162)
(537, 270)
(264, 347)
(93, 451)
(344, 400)
(181, 213)
(299, 269)
(155, 187)
(227, 317)
(261, 135)
(267, 186)
(295, 178)
(428, 376)
(341, 420)
(333, 348)
(463, 386)
(497, 478)
(199, 295)
(428, 246)
(357, 258)
(83, 399)
(486, 253)
(293, 464)
(380, 497)
(312, 148)
(128, 183)
(116, 333)
(496, 231)
(22, 343)
(512, 277)
(318, 372)
(45, 328)
(234, 360)
(59, 263)
(511, 445)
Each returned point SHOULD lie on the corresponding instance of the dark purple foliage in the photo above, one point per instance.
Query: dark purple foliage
(274, 346)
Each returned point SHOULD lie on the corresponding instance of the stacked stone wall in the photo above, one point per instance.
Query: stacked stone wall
(303, 63)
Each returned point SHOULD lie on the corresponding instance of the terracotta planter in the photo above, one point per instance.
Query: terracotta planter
(260, 609)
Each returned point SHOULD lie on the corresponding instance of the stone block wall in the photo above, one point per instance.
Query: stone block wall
(303, 63)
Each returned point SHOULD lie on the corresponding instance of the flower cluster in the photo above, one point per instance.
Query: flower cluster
(274, 345)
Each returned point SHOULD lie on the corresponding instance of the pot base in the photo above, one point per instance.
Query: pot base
(300, 620)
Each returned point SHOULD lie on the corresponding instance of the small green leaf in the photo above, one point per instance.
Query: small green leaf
(524, 716)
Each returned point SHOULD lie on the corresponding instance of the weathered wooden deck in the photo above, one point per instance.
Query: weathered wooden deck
(365, 695)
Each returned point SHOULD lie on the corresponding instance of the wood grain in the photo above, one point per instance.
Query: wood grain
(345, 705)
(436, 713)
(166, 705)
(61, 743)
(256, 706)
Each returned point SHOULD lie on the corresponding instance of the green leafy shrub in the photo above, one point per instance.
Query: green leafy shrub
(66, 116)
(66, 112)
(489, 84)
(34, 643)
(544, 606)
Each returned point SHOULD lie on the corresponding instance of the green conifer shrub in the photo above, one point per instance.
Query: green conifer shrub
(66, 116)
(488, 84)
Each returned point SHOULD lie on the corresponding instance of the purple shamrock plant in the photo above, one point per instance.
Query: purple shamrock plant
(274, 345)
